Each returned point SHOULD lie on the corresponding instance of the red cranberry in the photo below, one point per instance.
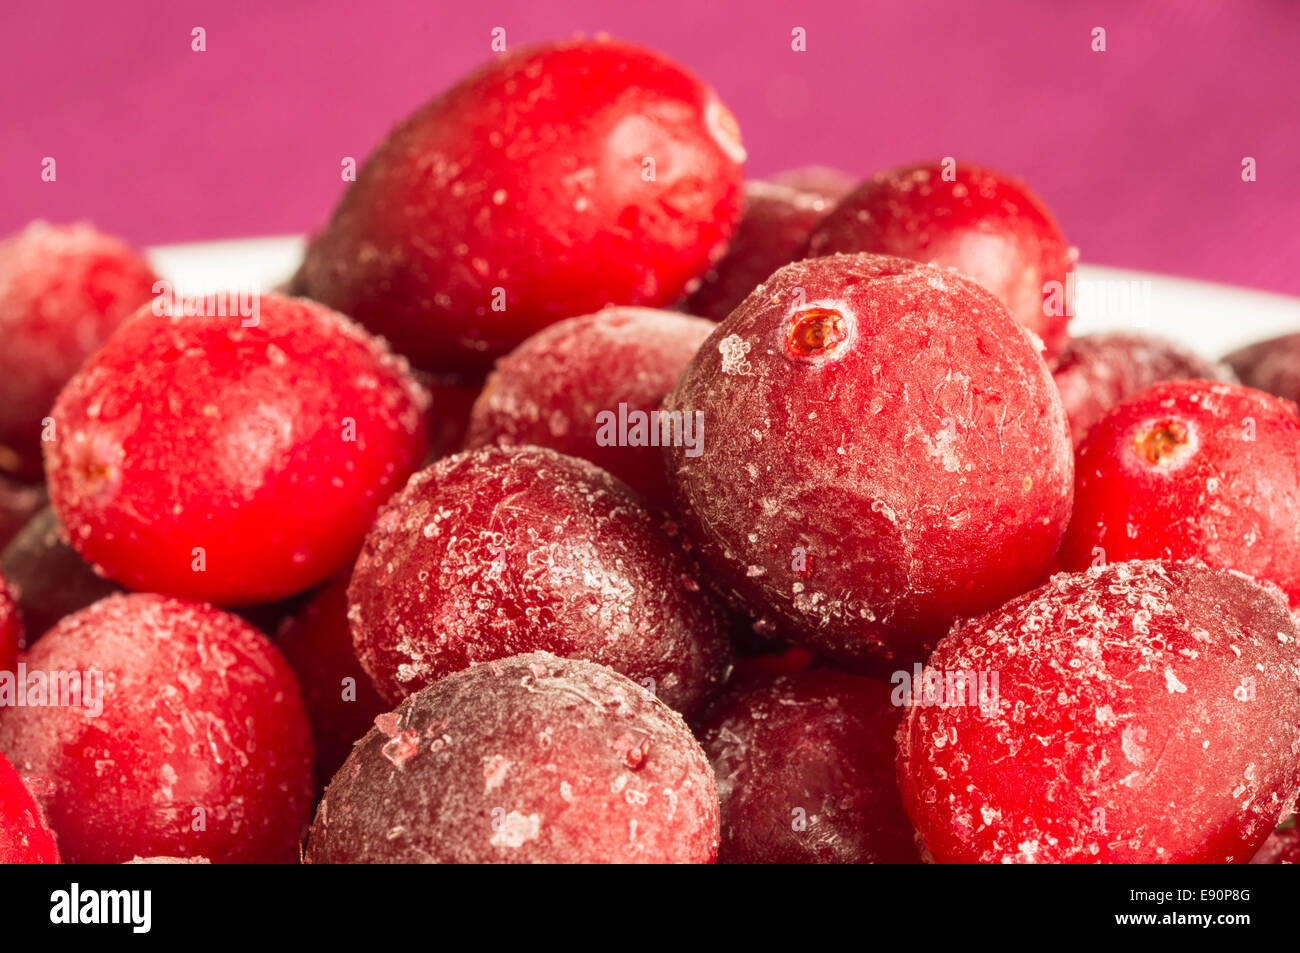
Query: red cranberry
(496, 552)
(25, 836)
(1272, 366)
(773, 229)
(1097, 371)
(48, 578)
(550, 183)
(1192, 470)
(63, 290)
(529, 759)
(11, 628)
(985, 224)
(18, 504)
(202, 746)
(341, 701)
(884, 450)
(805, 772)
(591, 387)
(239, 464)
(1143, 713)
(1282, 846)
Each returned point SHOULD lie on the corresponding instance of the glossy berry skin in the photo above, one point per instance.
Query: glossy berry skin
(202, 747)
(1144, 713)
(63, 291)
(1272, 366)
(1097, 371)
(773, 228)
(341, 701)
(47, 577)
(987, 225)
(25, 837)
(11, 627)
(204, 459)
(563, 386)
(805, 771)
(884, 451)
(1192, 470)
(528, 759)
(531, 176)
(497, 552)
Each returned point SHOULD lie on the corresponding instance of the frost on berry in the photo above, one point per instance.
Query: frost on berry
(526, 759)
(1147, 713)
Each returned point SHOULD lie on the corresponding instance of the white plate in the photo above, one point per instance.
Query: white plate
(1211, 319)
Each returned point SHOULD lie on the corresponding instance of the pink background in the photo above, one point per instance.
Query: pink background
(1138, 149)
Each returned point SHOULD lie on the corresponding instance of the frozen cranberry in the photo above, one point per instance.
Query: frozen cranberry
(11, 628)
(63, 290)
(496, 552)
(773, 229)
(341, 701)
(550, 183)
(592, 387)
(1282, 846)
(883, 451)
(1192, 470)
(19, 502)
(25, 836)
(202, 458)
(452, 400)
(527, 759)
(1272, 366)
(805, 772)
(829, 183)
(985, 224)
(1097, 371)
(185, 736)
(1137, 713)
(49, 580)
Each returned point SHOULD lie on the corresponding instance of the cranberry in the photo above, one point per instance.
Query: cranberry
(1097, 371)
(11, 628)
(985, 224)
(1272, 366)
(25, 836)
(527, 759)
(1282, 846)
(884, 451)
(18, 504)
(822, 180)
(495, 552)
(592, 387)
(202, 458)
(1142, 713)
(202, 746)
(48, 578)
(773, 229)
(63, 290)
(805, 772)
(341, 701)
(550, 183)
(1192, 470)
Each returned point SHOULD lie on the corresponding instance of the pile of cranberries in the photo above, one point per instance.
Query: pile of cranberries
(583, 502)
